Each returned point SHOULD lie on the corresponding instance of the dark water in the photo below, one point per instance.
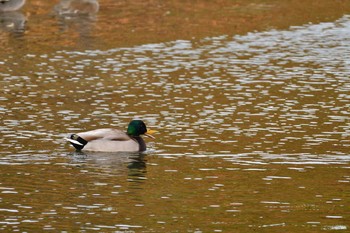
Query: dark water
(253, 129)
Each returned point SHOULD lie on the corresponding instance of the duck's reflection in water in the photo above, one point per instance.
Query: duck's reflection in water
(77, 7)
(13, 22)
(133, 163)
(77, 16)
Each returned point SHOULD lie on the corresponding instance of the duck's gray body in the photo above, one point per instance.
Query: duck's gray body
(11, 5)
(111, 140)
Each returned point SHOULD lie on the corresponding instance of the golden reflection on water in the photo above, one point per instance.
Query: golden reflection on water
(182, 193)
(126, 23)
(254, 131)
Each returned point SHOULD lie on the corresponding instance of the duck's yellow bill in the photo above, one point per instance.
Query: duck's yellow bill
(150, 132)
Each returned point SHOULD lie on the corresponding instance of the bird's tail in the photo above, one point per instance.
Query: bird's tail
(77, 141)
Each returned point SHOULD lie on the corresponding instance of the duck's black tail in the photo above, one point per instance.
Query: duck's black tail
(77, 141)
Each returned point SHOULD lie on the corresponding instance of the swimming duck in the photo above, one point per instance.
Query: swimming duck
(11, 5)
(113, 140)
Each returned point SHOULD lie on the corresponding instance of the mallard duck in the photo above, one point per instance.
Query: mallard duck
(113, 140)
(11, 5)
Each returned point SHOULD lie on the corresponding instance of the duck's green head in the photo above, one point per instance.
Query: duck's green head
(138, 127)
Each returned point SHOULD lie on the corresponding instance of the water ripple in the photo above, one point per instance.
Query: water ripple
(275, 92)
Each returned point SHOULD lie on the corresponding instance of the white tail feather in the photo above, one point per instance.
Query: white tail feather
(74, 141)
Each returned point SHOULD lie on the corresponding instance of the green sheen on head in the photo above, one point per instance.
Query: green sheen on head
(136, 128)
